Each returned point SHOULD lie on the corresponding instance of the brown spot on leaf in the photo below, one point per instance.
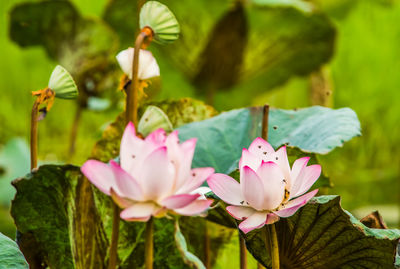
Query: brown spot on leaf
(374, 220)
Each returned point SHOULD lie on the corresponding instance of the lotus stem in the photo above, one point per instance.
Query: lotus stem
(34, 133)
(264, 128)
(132, 101)
(272, 241)
(112, 264)
(132, 105)
(243, 253)
(149, 245)
(321, 88)
(321, 94)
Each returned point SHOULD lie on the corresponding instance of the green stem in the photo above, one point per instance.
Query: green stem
(34, 134)
(321, 88)
(243, 253)
(149, 245)
(132, 98)
(264, 128)
(272, 241)
(112, 264)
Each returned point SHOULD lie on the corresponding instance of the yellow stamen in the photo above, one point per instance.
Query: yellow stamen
(122, 82)
(45, 97)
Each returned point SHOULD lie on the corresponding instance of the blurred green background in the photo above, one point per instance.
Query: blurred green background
(363, 74)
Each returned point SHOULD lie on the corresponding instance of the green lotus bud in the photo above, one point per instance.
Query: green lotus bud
(153, 118)
(161, 20)
(62, 83)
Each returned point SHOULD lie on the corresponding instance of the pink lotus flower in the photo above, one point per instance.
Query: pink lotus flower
(154, 178)
(268, 188)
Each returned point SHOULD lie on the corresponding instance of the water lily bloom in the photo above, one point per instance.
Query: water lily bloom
(154, 176)
(268, 188)
(148, 66)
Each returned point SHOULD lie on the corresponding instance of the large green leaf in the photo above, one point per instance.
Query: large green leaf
(60, 29)
(46, 211)
(322, 235)
(39, 24)
(220, 139)
(315, 129)
(10, 255)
